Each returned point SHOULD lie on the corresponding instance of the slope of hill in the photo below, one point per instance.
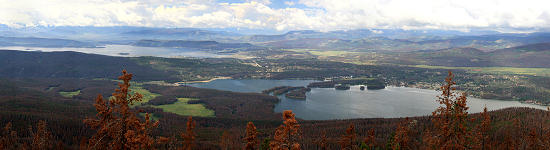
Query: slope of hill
(71, 64)
(82, 65)
(533, 55)
(42, 42)
(525, 56)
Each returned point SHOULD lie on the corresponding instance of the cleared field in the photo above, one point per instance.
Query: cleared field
(504, 70)
(136, 87)
(181, 107)
(147, 95)
(69, 94)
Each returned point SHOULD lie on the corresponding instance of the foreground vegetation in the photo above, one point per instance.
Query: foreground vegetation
(115, 123)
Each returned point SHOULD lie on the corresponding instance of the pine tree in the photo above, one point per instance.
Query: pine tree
(117, 125)
(369, 140)
(8, 138)
(449, 120)
(482, 131)
(189, 135)
(251, 135)
(401, 138)
(41, 138)
(347, 141)
(322, 141)
(225, 141)
(287, 134)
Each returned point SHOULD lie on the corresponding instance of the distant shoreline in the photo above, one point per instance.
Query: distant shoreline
(202, 81)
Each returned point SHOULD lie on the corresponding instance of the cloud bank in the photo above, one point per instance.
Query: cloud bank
(324, 15)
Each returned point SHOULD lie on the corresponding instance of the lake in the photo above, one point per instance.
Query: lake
(328, 103)
(127, 51)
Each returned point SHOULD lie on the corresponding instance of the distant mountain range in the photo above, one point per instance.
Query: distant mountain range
(204, 45)
(412, 35)
(482, 42)
(126, 33)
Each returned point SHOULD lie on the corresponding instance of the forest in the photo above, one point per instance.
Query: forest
(34, 117)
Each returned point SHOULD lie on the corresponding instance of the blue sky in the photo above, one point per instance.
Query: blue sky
(282, 15)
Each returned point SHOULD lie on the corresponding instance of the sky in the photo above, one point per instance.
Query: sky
(282, 15)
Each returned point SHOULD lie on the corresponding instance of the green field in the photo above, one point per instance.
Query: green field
(504, 70)
(147, 95)
(182, 108)
(137, 87)
(69, 94)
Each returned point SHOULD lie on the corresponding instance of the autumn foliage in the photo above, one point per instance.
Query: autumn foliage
(41, 137)
(322, 141)
(117, 125)
(482, 137)
(347, 141)
(251, 134)
(8, 137)
(449, 120)
(370, 139)
(189, 135)
(401, 138)
(287, 135)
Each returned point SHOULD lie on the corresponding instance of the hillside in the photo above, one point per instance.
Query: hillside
(526, 56)
(81, 65)
(42, 42)
(70, 64)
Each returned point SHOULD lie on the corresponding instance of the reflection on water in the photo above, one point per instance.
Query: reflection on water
(249, 85)
(328, 103)
(126, 51)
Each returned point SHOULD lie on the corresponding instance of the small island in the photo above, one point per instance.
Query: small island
(344, 84)
(298, 93)
(376, 84)
(342, 87)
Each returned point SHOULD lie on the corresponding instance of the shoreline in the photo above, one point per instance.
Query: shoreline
(202, 81)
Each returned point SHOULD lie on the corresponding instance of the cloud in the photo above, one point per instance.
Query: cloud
(321, 15)
(290, 3)
(438, 14)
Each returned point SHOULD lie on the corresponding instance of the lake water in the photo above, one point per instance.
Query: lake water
(328, 103)
(126, 51)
